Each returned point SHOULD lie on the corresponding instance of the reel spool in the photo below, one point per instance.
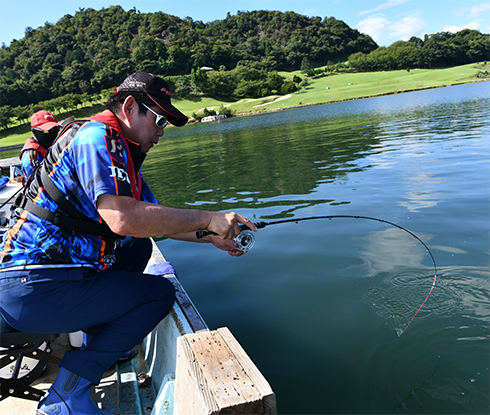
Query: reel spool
(244, 241)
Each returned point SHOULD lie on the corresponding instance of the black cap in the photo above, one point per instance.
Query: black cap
(156, 89)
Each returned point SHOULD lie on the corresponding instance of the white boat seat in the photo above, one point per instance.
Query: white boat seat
(23, 358)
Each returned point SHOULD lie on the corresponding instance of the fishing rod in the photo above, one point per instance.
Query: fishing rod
(246, 240)
(11, 197)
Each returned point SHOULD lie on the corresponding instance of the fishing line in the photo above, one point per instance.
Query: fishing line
(216, 193)
(413, 391)
(246, 239)
(189, 186)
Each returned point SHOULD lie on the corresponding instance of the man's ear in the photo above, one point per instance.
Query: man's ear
(126, 114)
(129, 107)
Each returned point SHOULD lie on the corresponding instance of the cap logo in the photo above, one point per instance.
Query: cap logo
(166, 91)
(136, 84)
(49, 117)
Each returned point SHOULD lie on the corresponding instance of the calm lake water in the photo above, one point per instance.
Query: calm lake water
(319, 305)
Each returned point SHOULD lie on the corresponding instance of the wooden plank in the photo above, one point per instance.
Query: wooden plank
(191, 393)
(215, 376)
(259, 381)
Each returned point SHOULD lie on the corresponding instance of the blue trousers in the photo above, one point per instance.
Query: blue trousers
(117, 307)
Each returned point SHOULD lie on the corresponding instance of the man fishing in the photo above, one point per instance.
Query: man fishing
(74, 256)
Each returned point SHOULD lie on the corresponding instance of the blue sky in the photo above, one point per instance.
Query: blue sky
(386, 21)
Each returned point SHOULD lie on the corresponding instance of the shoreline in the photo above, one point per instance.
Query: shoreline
(267, 110)
(357, 98)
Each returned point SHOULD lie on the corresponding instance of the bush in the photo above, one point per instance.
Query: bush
(288, 88)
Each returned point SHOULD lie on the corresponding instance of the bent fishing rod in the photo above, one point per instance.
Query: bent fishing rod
(246, 240)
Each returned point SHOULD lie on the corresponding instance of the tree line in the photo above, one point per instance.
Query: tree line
(241, 82)
(440, 49)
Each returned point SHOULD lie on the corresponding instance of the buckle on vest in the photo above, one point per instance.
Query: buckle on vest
(57, 217)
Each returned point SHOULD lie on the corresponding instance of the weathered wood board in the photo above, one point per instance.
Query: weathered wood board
(215, 376)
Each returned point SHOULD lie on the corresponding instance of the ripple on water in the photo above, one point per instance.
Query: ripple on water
(404, 292)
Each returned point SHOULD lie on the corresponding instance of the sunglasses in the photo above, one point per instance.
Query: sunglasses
(54, 130)
(161, 121)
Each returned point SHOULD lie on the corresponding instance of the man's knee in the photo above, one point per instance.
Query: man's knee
(166, 295)
(167, 289)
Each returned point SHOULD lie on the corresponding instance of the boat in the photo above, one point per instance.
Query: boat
(10, 185)
(182, 368)
(216, 117)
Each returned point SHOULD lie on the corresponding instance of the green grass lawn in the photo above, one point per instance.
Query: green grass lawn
(361, 85)
(377, 83)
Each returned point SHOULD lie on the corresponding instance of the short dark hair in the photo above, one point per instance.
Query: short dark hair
(115, 102)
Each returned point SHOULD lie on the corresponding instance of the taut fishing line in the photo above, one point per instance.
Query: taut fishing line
(189, 186)
(246, 239)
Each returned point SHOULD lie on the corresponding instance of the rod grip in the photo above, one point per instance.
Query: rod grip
(202, 234)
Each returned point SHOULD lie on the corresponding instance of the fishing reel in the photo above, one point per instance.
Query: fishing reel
(244, 241)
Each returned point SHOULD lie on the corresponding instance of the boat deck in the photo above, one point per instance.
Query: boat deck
(105, 395)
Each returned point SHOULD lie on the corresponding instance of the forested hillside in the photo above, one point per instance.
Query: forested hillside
(93, 50)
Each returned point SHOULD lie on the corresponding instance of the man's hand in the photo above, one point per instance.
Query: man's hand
(227, 224)
(225, 245)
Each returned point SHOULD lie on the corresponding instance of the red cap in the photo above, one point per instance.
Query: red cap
(44, 120)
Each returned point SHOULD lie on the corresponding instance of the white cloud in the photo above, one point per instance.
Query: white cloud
(471, 12)
(454, 29)
(384, 6)
(380, 28)
(407, 27)
(478, 10)
(461, 12)
(310, 12)
(375, 26)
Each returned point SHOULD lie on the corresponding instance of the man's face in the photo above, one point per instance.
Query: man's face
(144, 129)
